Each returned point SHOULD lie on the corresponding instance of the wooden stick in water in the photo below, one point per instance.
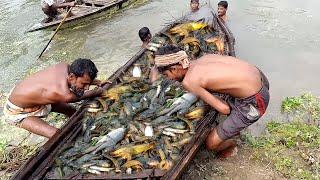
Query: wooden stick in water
(55, 32)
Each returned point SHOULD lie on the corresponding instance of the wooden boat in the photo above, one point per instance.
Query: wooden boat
(88, 8)
(38, 166)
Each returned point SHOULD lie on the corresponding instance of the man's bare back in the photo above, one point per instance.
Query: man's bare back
(50, 90)
(48, 86)
(224, 74)
(243, 90)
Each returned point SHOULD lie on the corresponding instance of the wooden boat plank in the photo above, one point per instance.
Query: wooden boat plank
(83, 14)
(99, 2)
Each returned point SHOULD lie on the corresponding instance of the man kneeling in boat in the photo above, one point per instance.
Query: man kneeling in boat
(51, 8)
(231, 86)
(50, 90)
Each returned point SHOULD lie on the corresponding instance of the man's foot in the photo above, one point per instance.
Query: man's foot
(229, 152)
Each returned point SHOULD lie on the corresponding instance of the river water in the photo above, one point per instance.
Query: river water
(280, 37)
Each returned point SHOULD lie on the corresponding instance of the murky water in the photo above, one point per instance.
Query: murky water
(280, 37)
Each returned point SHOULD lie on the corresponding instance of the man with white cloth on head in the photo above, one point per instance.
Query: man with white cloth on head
(51, 7)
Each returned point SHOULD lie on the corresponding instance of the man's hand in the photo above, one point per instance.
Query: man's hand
(72, 4)
(181, 105)
(215, 102)
(154, 74)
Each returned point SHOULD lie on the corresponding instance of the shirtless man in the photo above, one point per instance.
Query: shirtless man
(222, 10)
(241, 91)
(50, 89)
(50, 8)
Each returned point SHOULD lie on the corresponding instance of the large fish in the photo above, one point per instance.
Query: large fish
(108, 141)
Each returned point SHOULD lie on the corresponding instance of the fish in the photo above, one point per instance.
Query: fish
(190, 40)
(103, 104)
(108, 141)
(177, 125)
(218, 42)
(129, 151)
(101, 169)
(187, 122)
(177, 131)
(168, 133)
(88, 126)
(184, 29)
(147, 114)
(196, 113)
(92, 106)
(114, 161)
(162, 119)
(182, 142)
(115, 92)
(134, 164)
(165, 164)
(161, 154)
(92, 171)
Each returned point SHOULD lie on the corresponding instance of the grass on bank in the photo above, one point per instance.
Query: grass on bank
(292, 148)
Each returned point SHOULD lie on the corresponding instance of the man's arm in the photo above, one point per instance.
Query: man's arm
(206, 96)
(100, 83)
(154, 74)
(88, 94)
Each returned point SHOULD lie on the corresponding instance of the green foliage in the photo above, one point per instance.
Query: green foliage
(289, 148)
(293, 148)
(3, 145)
(304, 107)
(291, 104)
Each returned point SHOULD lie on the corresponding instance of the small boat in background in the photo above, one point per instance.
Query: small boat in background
(88, 8)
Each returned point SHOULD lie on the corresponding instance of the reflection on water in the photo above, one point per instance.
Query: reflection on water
(280, 37)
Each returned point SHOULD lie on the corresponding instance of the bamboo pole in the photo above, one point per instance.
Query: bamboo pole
(55, 32)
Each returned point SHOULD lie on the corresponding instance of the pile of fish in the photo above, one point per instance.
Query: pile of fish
(136, 125)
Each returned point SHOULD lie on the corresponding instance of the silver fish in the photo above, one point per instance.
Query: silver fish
(178, 131)
(108, 141)
(101, 169)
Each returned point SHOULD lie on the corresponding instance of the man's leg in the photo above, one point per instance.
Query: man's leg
(63, 108)
(215, 143)
(219, 138)
(38, 126)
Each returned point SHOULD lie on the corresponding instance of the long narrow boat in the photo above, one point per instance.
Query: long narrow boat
(38, 166)
(88, 8)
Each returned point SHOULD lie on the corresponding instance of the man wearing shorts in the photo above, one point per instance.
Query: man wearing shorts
(244, 85)
(50, 90)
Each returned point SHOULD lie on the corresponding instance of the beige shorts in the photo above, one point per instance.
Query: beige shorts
(15, 115)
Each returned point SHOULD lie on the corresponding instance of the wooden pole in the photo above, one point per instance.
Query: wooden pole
(55, 32)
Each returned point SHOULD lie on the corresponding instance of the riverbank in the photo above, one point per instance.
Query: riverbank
(287, 150)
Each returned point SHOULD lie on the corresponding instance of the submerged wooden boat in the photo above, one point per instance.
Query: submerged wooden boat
(38, 166)
(88, 8)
